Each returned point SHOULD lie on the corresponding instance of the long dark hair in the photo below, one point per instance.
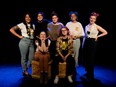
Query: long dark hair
(31, 24)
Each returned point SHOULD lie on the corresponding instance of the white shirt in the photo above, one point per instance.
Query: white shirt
(93, 30)
(23, 29)
(75, 28)
(37, 44)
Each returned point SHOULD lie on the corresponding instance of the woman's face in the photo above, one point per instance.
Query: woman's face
(42, 35)
(64, 31)
(73, 17)
(27, 18)
(54, 19)
(39, 17)
(92, 19)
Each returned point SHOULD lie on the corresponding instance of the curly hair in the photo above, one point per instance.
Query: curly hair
(94, 14)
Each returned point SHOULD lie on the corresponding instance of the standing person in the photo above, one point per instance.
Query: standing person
(76, 32)
(41, 23)
(64, 47)
(53, 33)
(42, 55)
(90, 42)
(26, 44)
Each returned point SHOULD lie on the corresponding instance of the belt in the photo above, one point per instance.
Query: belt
(90, 38)
(28, 38)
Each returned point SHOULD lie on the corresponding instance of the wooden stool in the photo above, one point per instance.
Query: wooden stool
(36, 69)
(62, 70)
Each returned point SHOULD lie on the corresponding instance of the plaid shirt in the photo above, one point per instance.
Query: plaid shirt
(59, 45)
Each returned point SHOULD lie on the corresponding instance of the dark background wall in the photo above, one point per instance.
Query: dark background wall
(12, 13)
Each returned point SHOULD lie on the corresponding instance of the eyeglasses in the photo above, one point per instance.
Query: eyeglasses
(64, 30)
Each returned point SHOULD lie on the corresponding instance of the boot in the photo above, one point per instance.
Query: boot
(25, 74)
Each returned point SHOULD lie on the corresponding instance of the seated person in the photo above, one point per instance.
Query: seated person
(64, 47)
(42, 55)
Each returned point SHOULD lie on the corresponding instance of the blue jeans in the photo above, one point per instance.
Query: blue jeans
(26, 46)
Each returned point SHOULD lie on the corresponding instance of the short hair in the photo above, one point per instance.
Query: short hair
(54, 14)
(42, 13)
(73, 12)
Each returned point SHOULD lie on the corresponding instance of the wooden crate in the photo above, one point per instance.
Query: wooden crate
(62, 70)
(36, 69)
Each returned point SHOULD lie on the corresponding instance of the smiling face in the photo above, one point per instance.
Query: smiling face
(39, 17)
(27, 18)
(73, 17)
(92, 19)
(42, 35)
(64, 31)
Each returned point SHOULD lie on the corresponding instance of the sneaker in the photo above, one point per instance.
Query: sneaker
(70, 79)
(56, 80)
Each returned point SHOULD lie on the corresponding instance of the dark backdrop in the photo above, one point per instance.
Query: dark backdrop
(12, 13)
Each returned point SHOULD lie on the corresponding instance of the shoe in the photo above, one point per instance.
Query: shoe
(25, 73)
(70, 79)
(56, 80)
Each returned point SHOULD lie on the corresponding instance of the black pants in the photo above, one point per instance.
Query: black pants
(89, 51)
(52, 49)
(70, 65)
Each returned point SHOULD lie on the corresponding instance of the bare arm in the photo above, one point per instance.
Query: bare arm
(40, 48)
(45, 48)
(103, 31)
(13, 31)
